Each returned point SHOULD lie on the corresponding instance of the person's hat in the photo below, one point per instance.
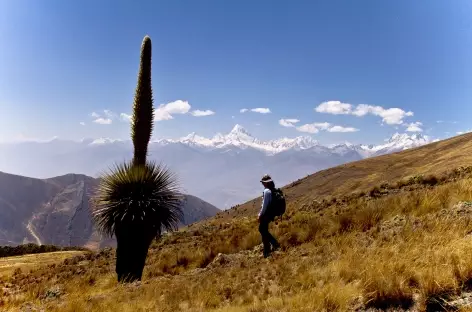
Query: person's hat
(266, 178)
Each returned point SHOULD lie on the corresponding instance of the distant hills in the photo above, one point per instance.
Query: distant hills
(223, 170)
(56, 211)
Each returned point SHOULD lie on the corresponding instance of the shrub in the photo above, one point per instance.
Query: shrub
(375, 192)
(430, 180)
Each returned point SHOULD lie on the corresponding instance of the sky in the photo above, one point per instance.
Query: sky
(355, 71)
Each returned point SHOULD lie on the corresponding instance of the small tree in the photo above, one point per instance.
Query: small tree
(135, 201)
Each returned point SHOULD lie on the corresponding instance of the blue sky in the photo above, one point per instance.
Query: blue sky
(311, 61)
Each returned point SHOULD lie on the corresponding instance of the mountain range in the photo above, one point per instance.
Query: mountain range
(223, 170)
(56, 211)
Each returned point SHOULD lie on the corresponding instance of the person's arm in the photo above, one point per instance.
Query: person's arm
(265, 202)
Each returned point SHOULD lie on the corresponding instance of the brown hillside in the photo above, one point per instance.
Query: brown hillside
(434, 158)
(405, 248)
(56, 211)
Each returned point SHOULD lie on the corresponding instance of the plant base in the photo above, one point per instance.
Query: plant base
(131, 253)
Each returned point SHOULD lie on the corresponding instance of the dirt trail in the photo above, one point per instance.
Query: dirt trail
(30, 229)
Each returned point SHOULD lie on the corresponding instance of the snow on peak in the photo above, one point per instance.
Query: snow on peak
(195, 139)
(238, 129)
(102, 141)
(300, 143)
(239, 137)
(402, 141)
(405, 139)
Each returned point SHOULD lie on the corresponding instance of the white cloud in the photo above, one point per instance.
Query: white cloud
(415, 127)
(165, 111)
(106, 119)
(390, 116)
(82, 123)
(109, 113)
(326, 126)
(342, 129)
(334, 107)
(125, 117)
(322, 125)
(440, 121)
(103, 121)
(309, 128)
(261, 110)
(200, 113)
(288, 122)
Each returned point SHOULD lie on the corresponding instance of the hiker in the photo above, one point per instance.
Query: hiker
(266, 216)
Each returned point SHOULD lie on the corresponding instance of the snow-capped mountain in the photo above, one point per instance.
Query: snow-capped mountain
(239, 137)
(223, 170)
(399, 142)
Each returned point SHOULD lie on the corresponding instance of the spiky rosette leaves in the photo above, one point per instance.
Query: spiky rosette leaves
(143, 111)
(144, 198)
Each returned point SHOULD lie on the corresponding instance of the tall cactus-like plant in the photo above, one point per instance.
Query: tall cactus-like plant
(143, 117)
(135, 201)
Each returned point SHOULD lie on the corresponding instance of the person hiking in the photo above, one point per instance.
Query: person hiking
(266, 216)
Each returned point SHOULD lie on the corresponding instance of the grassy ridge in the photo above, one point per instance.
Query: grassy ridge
(362, 176)
(401, 245)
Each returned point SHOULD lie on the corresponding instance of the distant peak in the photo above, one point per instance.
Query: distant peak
(396, 137)
(190, 136)
(238, 129)
(102, 141)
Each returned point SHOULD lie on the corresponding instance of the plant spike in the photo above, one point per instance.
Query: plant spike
(143, 111)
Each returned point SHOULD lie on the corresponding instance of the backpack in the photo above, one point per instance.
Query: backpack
(277, 204)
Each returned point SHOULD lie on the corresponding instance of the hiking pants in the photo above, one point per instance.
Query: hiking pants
(267, 238)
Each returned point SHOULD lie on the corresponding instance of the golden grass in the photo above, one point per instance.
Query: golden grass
(28, 262)
(410, 246)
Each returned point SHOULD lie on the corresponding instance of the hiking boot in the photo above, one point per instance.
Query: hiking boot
(266, 254)
(276, 247)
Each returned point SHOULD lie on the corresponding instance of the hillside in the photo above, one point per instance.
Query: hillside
(350, 242)
(363, 175)
(56, 211)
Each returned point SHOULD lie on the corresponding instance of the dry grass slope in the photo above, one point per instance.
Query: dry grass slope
(405, 244)
(8, 265)
(363, 175)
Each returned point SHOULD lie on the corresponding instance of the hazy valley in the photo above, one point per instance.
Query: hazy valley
(223, 170)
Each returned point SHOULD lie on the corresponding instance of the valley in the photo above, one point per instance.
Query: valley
(56, 211)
